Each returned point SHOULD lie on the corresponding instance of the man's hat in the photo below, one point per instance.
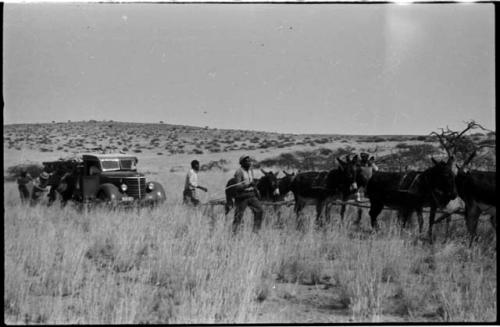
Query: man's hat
(44, 175)
(243, 157)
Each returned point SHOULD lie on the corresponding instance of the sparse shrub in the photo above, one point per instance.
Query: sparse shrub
(219, 164)
(421, 138)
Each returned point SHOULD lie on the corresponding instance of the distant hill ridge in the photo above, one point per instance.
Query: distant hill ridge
(163, 138)
(167, 125)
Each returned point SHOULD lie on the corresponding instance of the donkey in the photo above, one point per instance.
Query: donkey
(364, 172)
(267, 188)
(321, 187)
(284, 184)
(434, 188)
(478, 190)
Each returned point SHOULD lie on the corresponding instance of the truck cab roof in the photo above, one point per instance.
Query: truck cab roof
(107, 156)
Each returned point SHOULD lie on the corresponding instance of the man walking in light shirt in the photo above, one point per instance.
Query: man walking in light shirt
(191, 184)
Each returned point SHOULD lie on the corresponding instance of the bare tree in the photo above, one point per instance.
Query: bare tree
(460, 145)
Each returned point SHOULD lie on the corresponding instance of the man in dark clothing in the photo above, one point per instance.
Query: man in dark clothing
(40, 186)
(22, 184)
(246, 195)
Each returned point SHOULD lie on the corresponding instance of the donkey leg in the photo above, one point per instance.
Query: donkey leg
(432, 215)
(420, 218)
(375, 209)
(472, 212)
(328, 209)
(403, 217)
(298, 209)
(320, 206)
(446, 216)
(360, 214)
(342, 211)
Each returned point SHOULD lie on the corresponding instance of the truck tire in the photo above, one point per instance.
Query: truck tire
(108, 193)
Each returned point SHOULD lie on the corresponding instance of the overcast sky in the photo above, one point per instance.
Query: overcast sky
(324, 68)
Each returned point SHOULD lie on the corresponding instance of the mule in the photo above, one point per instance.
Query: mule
(364, 172)
(284, 184)
(478, 191)
(411, 192)
(319, 188)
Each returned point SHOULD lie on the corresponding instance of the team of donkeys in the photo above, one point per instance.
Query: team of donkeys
(407, 192)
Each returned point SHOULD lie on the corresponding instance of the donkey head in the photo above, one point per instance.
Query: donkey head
(285, 183)
(348, 172)
(365, 170)
(269, 183)
(441, 180)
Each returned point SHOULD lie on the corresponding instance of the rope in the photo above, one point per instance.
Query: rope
(230, 186)
(338, 203)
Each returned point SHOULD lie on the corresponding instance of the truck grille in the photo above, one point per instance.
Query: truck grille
(136, 186)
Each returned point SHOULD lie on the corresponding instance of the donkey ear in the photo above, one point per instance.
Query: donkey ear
(451, 161)
(263, 171)
(342, 164)
(434, 161)
(284, 172)
(372, 158)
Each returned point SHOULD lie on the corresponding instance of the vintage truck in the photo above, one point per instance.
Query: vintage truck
(103, 178)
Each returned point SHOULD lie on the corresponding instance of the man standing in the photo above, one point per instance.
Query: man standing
(246, 195)
(367, 167)
(368, 162)
(39, 187)
(22, 185)
(191, 184)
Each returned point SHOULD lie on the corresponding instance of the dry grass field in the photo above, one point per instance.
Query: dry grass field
(174, 264)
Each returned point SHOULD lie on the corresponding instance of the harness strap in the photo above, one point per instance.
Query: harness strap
(417, 176)
(436, 201)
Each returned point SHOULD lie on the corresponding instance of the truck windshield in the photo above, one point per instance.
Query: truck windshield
(113, 164)
(128, 164)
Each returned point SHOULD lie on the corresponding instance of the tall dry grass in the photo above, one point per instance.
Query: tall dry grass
(174, 264)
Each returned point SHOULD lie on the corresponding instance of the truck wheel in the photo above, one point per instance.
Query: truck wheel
(108, 193)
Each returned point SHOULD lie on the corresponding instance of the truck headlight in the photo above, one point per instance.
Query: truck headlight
(123, 187)
(151, 186)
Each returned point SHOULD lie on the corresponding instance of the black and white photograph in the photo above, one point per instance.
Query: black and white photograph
(249, 163)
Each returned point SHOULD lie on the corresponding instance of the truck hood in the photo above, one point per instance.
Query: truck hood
(121, 174)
